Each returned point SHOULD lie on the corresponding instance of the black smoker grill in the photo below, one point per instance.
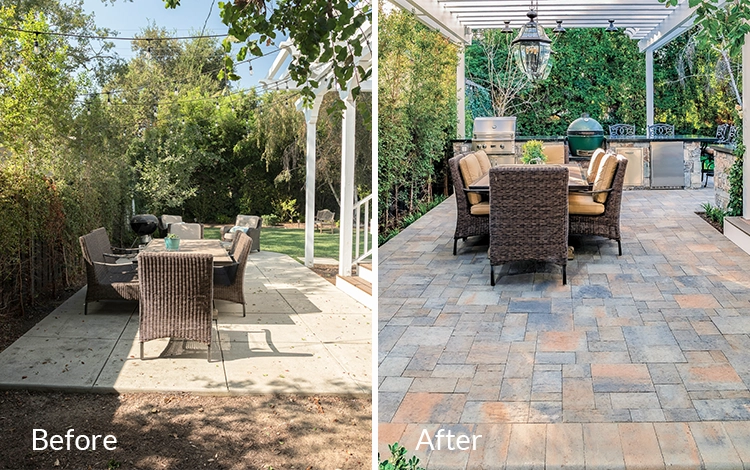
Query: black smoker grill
(144, 225)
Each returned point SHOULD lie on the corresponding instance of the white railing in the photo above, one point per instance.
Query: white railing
(366, 224)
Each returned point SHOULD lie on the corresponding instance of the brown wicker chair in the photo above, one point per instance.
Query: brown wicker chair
(608, 223)
(253, 225)
(467, 225)
(106, 280)
(528, 215)
(176, 291)
(229, 281)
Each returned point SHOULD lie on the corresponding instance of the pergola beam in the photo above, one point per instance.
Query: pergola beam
(431, 13)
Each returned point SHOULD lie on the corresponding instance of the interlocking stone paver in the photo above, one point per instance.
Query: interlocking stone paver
(635, 351)
(602, 448)
(677, 446)
(527, 447)
(564, 446)
(495, 412)
(621, 378)
(715, 446)
(493, 454)
(429, 408)
(640, 447)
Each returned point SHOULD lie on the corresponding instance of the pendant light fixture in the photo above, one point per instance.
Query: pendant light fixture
(532, 48)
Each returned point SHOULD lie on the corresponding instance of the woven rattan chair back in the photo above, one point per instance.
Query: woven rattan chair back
(105, 281)
(176, 291)
(607, 224)
(528, 215)
(187, 231)
(467, 225)
(235, 291)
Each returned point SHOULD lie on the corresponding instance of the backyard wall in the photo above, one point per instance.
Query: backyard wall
(723, 161)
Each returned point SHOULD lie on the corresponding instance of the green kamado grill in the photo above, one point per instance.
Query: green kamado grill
(584, 136)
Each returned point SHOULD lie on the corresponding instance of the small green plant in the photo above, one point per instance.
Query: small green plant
(269, 220)
(286, 209)
(113, 464)
(734, 207)
(398, 459)
(533, 153)
(713, 213)
(172, 236)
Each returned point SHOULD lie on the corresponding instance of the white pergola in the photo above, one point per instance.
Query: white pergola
(278, 77)
(649, 22)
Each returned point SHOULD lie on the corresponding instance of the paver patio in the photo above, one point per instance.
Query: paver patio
(301, 335)
(642, 360)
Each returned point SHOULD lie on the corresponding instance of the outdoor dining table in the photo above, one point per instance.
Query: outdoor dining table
(212, 247)
(576, 180)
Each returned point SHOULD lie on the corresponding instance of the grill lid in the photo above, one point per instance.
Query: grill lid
(585, 125)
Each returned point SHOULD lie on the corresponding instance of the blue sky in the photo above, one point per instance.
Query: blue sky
(130, 18)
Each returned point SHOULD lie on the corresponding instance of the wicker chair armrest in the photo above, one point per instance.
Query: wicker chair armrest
(224, 229)
(581, 191)
(127, 251)
(113, 265)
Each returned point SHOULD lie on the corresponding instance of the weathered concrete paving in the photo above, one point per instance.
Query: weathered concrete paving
(301, 335)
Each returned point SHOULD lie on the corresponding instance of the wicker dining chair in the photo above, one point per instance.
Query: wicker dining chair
(176, 297)
(250, 224)
(229, 281)
(528, 215)
(467, 224)
(106, 280)
(187, 231)
(606, 224)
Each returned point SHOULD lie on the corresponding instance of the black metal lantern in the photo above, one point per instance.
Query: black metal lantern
(532, 49)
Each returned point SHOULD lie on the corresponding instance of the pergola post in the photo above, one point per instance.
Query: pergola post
(461, 94)
(311, 119)
(745, 127)
(346, 226)
(649, 87)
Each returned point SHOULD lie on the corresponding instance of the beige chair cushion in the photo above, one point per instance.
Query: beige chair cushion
(596, 159)
(555, 152)
(484, 161)
(483, 208)
(583, 204)
(604, 177)
(471, 171)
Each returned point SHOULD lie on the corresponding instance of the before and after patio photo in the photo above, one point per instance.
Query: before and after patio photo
(526, 247)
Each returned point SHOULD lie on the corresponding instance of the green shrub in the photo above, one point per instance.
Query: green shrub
(714, 213)
(398, 459)
(533, 152)
(270, 220)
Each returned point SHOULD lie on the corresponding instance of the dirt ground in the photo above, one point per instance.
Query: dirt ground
(182, 431)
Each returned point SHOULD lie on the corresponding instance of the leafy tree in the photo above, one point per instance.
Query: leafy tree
(417, 111)
(326, 31)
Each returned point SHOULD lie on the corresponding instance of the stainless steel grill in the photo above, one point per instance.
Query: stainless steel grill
(495, 135)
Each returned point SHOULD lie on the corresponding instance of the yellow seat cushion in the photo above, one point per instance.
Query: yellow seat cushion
(483, 208)
(584, 204)
(555, 153)
(484, 161)
(604, 177)
(594, 163)
(470, 172)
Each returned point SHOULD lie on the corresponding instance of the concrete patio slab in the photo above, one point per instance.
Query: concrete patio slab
(287, 343)
(640, 361)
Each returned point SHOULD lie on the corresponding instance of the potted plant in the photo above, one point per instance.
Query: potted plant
(533, 153)
(172, 242)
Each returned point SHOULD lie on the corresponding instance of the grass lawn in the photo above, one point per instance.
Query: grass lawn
(291, 241)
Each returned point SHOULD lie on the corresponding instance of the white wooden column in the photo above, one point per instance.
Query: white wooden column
(461, 94)
(311, 118)
(346, 222)
(649, 87)
(745, 127)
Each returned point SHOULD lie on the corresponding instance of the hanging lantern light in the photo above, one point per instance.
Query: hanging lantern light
(532, 49)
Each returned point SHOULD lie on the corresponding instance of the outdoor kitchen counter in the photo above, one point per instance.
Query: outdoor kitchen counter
(638, 149)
